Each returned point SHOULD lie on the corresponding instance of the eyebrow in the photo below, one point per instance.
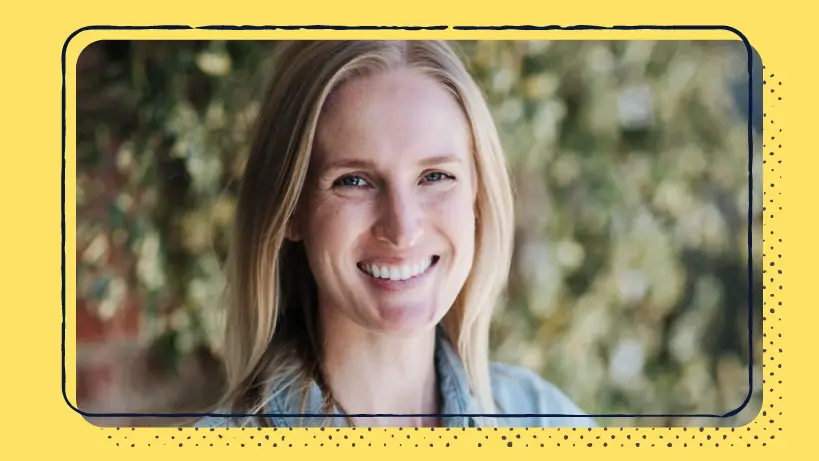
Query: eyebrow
(365, 164)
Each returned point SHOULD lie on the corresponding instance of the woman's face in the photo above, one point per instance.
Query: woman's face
(387, 214)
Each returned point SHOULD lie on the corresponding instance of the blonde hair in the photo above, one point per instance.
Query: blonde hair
(271, 338)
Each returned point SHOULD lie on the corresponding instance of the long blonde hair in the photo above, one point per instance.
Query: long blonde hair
(271, 338)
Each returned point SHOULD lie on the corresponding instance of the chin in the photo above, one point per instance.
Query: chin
(406, 321)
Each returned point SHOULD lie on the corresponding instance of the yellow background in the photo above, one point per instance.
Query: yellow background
(37, 420)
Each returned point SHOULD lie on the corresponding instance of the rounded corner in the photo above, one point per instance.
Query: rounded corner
(71, 404)
(739, 34)
(73, 35)
(86, 47)
(747, 412)
(84, 415)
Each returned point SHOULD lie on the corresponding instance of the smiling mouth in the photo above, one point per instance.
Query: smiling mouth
(399, 272)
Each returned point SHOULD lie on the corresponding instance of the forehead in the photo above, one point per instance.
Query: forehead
(399, 114)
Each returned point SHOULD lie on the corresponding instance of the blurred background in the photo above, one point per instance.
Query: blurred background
(629, 287)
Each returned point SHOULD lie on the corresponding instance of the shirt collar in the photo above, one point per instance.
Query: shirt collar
(456, 397)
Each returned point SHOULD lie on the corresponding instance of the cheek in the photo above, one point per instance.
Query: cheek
(455, 214)
(332, 224)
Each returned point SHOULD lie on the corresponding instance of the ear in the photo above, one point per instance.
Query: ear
(291, 232)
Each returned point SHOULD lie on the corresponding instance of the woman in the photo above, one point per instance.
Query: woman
(372, 240)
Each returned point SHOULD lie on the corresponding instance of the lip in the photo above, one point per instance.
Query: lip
(399, 285)
(395, 260)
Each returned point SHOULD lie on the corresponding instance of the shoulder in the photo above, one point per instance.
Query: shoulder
(211, 422)
(216, 420)
(519, 391)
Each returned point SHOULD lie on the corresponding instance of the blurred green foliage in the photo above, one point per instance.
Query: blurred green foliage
(630, 279)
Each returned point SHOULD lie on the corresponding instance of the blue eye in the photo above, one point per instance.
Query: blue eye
(351, 181)
(437, 176)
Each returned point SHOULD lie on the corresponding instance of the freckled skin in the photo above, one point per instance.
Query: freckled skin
(392, 176)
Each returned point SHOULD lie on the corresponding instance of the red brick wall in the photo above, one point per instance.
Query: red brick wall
(105, 349)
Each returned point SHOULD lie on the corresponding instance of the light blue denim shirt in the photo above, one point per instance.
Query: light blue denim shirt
(517, 391)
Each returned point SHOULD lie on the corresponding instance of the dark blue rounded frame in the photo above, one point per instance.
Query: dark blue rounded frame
(750, 111)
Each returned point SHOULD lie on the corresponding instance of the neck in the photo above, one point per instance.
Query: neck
(371, 373)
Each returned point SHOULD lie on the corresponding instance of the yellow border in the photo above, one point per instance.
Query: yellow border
(30, 89)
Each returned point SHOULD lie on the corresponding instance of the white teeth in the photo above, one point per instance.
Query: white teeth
(403, 272)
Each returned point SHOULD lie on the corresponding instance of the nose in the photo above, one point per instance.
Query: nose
(400, 222)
